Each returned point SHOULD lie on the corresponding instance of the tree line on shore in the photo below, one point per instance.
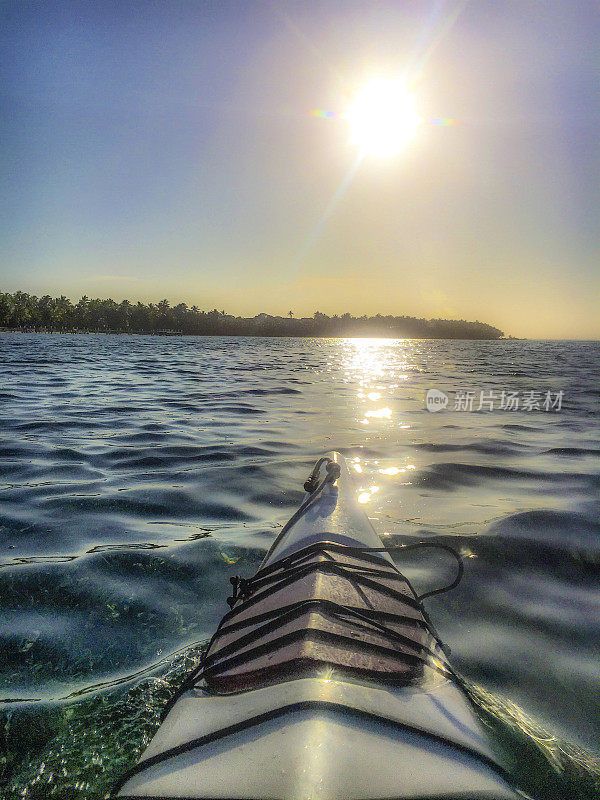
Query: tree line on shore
(23, 311)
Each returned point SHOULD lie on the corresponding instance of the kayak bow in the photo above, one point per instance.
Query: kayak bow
(324, 681)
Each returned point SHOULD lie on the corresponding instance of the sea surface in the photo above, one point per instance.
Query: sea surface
(138, 473)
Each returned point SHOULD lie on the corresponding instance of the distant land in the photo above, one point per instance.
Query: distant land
(25, 312)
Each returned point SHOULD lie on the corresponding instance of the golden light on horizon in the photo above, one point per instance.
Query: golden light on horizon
(383, 118)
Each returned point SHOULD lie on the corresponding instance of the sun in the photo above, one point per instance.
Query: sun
(382, 118)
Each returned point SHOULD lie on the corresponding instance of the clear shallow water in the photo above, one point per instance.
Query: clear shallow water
(138, 473)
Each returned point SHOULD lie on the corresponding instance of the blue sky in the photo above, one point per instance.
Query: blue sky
(168, 150)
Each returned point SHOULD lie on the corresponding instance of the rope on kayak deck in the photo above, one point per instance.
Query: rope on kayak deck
(371, 573)
(422, 545)
(333, 473)
(289, 570)
(314, 489)
(241, 586)
(251, 621)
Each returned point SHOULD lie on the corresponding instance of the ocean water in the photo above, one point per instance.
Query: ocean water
(138, 473)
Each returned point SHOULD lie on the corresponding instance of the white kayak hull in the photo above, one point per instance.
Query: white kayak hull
(326, 734)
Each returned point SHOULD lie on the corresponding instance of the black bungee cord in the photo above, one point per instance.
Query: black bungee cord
(243, 586)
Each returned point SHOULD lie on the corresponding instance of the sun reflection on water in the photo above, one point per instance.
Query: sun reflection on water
(378, 367)
(379, 413)
(396, 470)
(390, 471)
(366, 494)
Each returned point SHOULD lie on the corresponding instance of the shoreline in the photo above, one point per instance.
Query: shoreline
(28, 313)
(265, 335)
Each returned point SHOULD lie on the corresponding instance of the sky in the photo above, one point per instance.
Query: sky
(200, 151)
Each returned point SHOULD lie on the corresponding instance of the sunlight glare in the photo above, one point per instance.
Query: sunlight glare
(383, 118)
(380, 413)
(364, 496)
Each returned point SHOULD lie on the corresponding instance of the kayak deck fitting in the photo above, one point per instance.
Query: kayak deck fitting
(324, 681)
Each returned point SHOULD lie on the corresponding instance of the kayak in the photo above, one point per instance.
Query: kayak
(325, 680)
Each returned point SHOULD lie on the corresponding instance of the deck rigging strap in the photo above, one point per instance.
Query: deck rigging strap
(371, 572)
(268, 631)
